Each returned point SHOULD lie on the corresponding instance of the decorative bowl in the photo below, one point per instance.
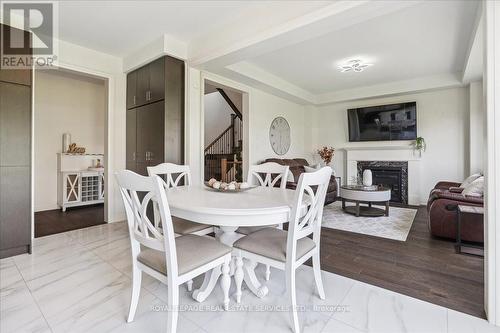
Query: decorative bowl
(226, 190)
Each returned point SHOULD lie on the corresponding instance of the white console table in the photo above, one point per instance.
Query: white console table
(77, 185)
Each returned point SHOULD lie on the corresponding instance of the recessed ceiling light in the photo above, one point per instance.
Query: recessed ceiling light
(355, 65)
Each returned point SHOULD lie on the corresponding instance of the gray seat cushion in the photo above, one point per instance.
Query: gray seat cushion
(249, 230)
(186, 227)
(271, 243)
(192, 252)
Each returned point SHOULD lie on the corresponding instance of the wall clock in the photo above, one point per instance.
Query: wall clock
(279, 135)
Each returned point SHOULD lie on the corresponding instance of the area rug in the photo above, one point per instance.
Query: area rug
(395, 226)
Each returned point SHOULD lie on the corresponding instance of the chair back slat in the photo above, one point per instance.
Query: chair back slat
(303, 224)
(142, 230)
(169, 170)
(268, 169)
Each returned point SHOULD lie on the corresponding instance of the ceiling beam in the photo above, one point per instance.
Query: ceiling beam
(473, 64)
(232, 45)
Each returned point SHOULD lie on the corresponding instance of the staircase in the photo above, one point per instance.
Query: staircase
(223, 155)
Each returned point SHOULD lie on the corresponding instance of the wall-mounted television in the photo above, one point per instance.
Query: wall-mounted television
(383, 122)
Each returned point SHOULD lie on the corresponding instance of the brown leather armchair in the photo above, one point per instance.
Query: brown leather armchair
(297, 168)
(442, 209)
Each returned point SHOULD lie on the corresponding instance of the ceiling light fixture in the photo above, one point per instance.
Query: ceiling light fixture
(355, 65)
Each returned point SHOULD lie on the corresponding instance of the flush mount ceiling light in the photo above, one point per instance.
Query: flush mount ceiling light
(355, 65)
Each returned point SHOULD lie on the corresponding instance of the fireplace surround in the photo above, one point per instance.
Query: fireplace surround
(391, 174)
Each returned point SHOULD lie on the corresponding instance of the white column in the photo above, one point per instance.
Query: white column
(491, 86)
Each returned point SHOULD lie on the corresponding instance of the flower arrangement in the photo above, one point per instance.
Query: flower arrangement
(326, 154)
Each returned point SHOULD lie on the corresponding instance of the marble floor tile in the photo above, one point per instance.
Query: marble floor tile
(373, 309)
(335, 326)
(80, 281)
(463, 323)
(18, 310)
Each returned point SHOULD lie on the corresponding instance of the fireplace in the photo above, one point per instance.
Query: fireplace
(390, 174)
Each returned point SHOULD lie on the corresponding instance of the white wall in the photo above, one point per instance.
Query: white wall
(442, 119)
(110, 68)
(264, 108)
(477, 133)
(63, 103)
(259, 109)
(217, 116)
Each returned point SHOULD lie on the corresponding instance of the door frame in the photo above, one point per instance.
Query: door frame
(109, 86)
(245, 92)
(491, 86)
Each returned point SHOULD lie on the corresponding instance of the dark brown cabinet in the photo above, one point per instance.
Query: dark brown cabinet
(157, 80)
(146, 84)
(155, 123)
(15, 161)
(131, 90)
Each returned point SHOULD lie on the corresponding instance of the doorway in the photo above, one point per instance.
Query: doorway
(223, 133)
(70, 110)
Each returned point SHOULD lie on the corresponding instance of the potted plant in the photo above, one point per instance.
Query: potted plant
(420, 145)
(326, 154)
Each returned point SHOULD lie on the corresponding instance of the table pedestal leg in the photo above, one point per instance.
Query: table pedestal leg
(251, 279)
(208, 285)
(225, 235)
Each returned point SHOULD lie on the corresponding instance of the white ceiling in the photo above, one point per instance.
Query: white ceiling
(430, 38)
(120, 27)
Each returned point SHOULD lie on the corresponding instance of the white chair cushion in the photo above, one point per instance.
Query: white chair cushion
(470, 179)
(192, 252)
(186, 227)
(249, 230)
(475, 189)
(271, 243)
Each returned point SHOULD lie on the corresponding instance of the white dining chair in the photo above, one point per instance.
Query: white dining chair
(171, 260)
(288, 250)
(174, 174)
(262, 175)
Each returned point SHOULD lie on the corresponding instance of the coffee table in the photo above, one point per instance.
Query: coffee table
(360, 194)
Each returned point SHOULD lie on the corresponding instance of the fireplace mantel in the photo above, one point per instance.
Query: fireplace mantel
(387, 153)
(388, 147)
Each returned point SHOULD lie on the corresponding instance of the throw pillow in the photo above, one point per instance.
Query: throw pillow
(475, 189)
(312, 168)
(470, 179)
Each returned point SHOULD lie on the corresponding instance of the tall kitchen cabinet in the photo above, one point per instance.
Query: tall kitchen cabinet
(155, 114)
(15, 160)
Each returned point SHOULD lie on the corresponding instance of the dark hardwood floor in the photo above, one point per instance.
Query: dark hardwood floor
(55, 221)
(423, 267)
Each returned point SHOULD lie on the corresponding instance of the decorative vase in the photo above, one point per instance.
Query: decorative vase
(367, 177)
(66, 141)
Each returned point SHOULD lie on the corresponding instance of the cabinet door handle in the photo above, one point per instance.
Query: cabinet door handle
(134, 101)
(133, 156)
(147, 95)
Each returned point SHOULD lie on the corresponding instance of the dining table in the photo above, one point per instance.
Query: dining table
(229, 210)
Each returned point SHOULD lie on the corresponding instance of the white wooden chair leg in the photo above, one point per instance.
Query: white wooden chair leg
(268, 272)
(173, 307)
(290, 286)
(189, 285)
(225, 283)
(317, 275)
(238, 277)
(136, 291)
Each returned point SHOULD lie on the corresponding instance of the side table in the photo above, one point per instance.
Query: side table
(463, 211)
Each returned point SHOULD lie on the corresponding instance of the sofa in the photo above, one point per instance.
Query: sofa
(442, 208)
(297, 168)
